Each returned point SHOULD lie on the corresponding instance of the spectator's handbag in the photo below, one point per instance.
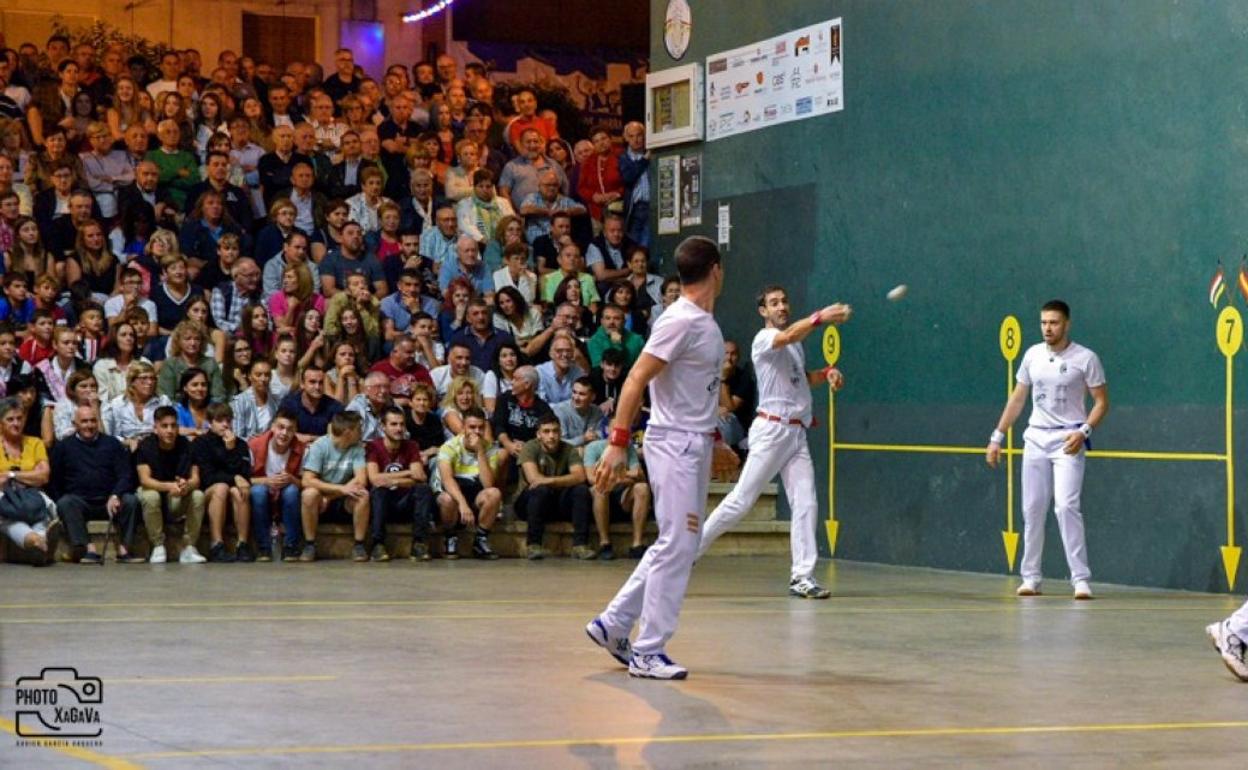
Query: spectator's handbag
(21, 503)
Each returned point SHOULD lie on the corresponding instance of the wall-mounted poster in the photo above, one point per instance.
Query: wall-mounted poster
(792, 76)
(691, 190)
(669, 206)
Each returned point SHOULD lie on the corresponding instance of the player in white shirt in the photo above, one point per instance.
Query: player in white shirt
(681, 363)
(1059, 375)
(1230, 639)
(778, 434)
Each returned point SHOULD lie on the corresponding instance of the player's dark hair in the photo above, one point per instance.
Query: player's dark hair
(547, 418)
(614, 356)
(392, 409)
(585, 382)
(770, 288)
(695, 256)
(1059, 306)
(163, 412)
(474, 412)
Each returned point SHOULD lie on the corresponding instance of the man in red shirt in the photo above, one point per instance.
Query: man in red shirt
(525, 102)
(400, 486)
(403, 369)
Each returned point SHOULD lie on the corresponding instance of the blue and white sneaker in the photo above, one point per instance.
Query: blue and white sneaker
(617, 646)
(657, 666)
(1233, 650)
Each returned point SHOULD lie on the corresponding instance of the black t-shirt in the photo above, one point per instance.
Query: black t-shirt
(428, 435)
(741, 385)
(388, 129)
(165, 465)
(517, 421)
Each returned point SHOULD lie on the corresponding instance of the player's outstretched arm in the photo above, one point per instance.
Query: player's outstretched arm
(646, 369)
(1013, 408)
(801, 329)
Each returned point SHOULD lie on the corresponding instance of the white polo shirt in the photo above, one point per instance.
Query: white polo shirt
(1059, 383)
(783, 390)
(685, 394)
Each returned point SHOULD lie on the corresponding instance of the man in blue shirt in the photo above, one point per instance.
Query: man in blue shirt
(467, 264)
(313, 408)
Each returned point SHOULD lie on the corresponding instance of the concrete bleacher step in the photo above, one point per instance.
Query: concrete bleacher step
(760, 533)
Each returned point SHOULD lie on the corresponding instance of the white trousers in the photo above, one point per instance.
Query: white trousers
(1051, 475)
(1239, 622)
(679, 465)
(774, 448)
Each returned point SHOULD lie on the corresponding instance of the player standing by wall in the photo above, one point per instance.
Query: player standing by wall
(1059, 374)
(681, 363)
(778, 434)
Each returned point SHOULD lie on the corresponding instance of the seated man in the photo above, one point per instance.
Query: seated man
(312, 408)
(403, 370)
(276, 469)
(224, 462)
(612, 334)
(557, 375)
(629, 499)
(578, 417)
(334, 482)
(553, 485)
(36, 529)
(467, 465)
(396, 473)
(93, 478)
(458, 364)
(169, 487)
(370, 403)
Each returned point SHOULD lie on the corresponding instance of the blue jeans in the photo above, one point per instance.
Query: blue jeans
(261, 521)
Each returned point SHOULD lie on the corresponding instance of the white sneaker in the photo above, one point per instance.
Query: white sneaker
(1029, 588)
(617, 646)
(655, 667)
(807, 588)
(1082, 590)
(190, 555)
(1232, 649)
(158, 555)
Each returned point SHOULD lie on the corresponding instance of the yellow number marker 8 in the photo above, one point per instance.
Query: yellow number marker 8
(1011, 338)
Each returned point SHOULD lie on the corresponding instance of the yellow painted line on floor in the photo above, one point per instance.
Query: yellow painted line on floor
(76, 752)
(1111, 454)
(209, 680)
(554, 743)
(297, 603)
(1066, 605)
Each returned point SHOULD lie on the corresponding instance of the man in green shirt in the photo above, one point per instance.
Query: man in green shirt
(552, 483)
(335, 481)
(179, 171)
(612, 334)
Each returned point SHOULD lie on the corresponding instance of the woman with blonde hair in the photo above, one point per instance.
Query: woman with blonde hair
(127, 110)
(129, 417)
(93, 262)
(462, 394)
(459, 178)
(186, 351)
(508, 232)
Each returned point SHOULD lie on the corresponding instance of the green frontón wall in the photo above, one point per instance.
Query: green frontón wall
(994, 156)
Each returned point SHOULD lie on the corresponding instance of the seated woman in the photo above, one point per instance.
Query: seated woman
(82, 389)
(385, 243)
(285, 373)
(569, 292)
(498, 378)
(343, 375)
(286, 307)
(186, 351)
(238, 358)
(423, 425)
(508, 233)
(254, 327)
(622, 295)
(310, 339)
(26, 462)
(120, 350)
(52, 374)
(647, 287)
(129, 417)
(359, 325)
(255, 407)
(204, 226)
(364, 205)
(521, 320)
(199, 310)
(463, 393)
(93, 262)
(192, 402)
(515, 272)
(459, 178)
(454, 308)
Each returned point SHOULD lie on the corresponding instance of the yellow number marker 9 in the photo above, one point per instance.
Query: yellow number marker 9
(831, 345)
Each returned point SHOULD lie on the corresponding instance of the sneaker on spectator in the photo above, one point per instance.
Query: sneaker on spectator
(380, 553)
(52, 539)
(657, 666)
(534, 552)
(191, 555)
(606, 552)
(92, 558)
(452, 547)
(420, 551)
(217, 553)
(308, 553)
(290, 553)
(264, 554)
(481, 549)
(159, 555)
(637, 551)
(583, 553)
(244, 553)
(130, 558)
(359, 552)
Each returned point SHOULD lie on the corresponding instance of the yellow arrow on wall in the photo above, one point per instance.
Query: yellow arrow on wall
(1229, 333)
(831, 353)
(1011, 338)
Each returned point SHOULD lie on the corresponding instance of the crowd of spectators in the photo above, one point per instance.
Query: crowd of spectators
(274, 298)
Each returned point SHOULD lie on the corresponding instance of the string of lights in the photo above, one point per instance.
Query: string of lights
(424, 13)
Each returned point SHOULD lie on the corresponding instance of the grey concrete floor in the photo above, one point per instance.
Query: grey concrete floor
(468, 664)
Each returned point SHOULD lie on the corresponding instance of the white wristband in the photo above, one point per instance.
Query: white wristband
(1086, 430)
(997, 437)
